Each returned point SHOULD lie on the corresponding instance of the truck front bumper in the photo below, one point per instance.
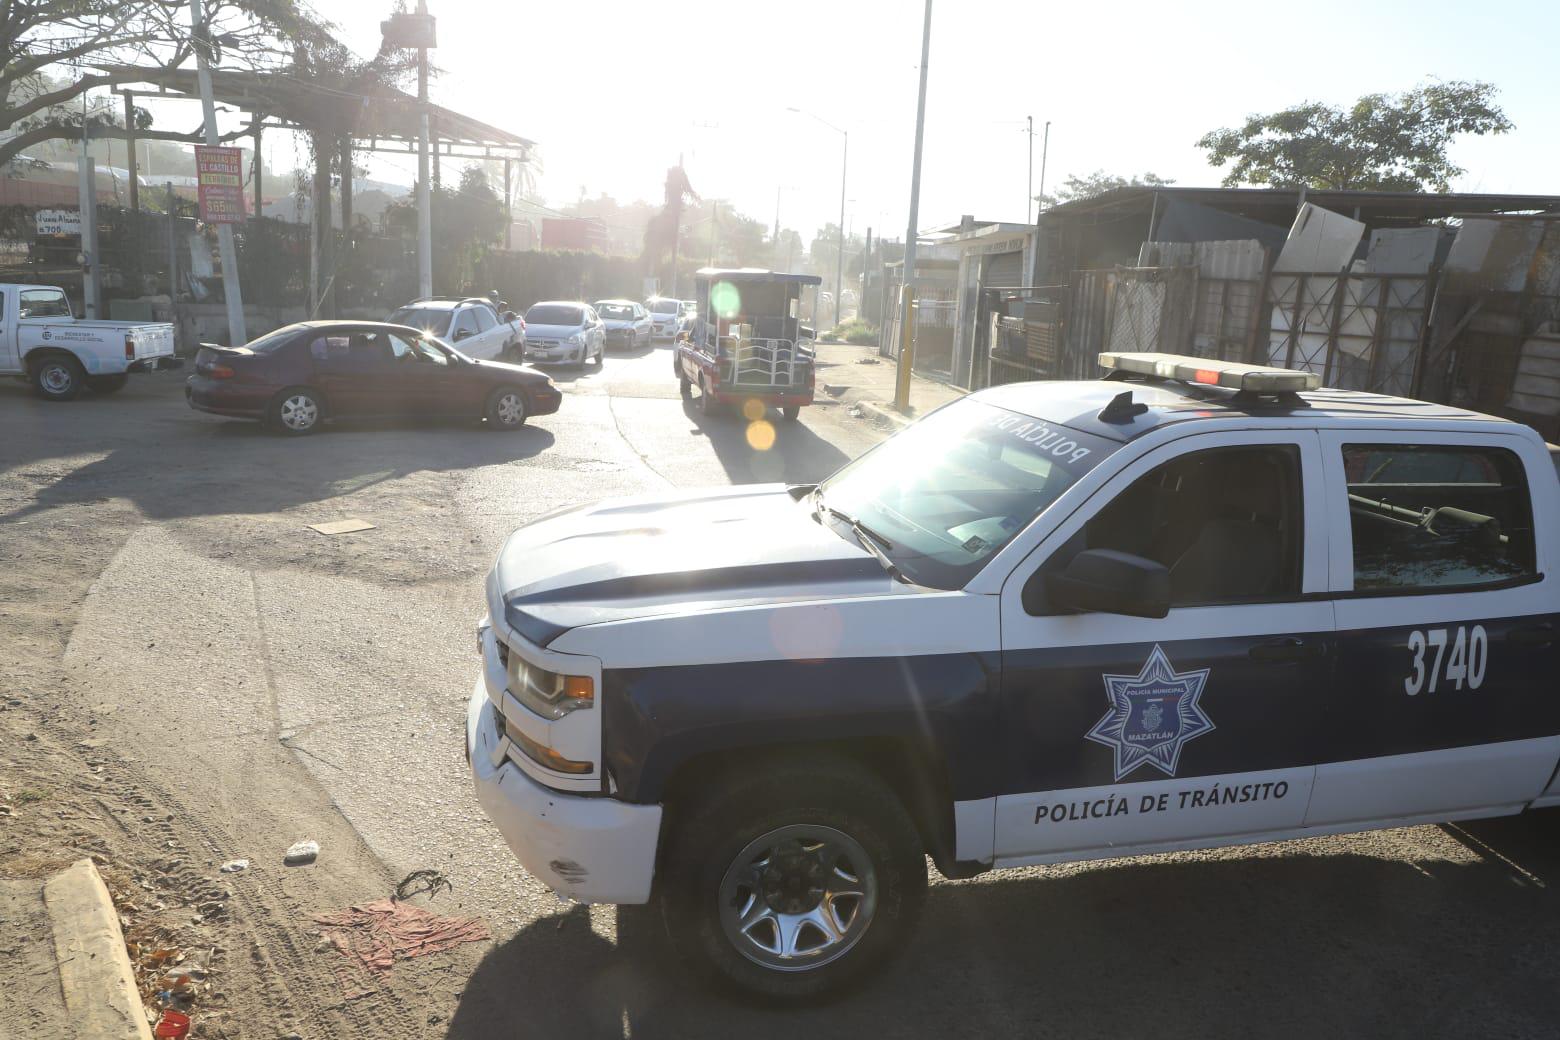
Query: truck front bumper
(593, 849)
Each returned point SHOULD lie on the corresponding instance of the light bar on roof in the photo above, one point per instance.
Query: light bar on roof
(1256, 378)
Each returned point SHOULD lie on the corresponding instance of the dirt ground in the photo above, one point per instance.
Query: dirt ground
(192, 676)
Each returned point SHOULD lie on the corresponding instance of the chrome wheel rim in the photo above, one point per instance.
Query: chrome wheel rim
(299, 412)
(56, 378)
(798, 897)
(510, 409)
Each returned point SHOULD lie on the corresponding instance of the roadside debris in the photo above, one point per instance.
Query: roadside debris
(233, 866)
(342, 526)
(302, 852)
(379, 933)
(418, 881)
(172, 1024)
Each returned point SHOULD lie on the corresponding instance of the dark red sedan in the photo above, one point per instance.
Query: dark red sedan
(297, 377)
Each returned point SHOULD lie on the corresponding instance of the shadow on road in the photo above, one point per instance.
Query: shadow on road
(768, 451)
(1298, 945)
(147, 446)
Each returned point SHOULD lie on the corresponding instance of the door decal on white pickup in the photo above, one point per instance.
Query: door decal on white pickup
(1152, 715)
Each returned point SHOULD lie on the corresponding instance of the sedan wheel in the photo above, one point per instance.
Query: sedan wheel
(296, 411)
(506, 409)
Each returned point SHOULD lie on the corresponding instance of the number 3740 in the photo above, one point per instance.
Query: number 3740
(1470, 652)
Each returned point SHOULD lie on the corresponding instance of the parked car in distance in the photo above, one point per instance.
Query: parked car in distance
(667, 315)
(564, 330)
(477, 327)
(626, 323)
(299, 376)
(42, 341)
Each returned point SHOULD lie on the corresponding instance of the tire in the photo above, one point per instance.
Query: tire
(791, 412)
(817, 837)
(107, 384)
(707, 404)
(684, 387)
(57, 377)
(505, 408)
(633, 341)
(601, 355)
(296, 411)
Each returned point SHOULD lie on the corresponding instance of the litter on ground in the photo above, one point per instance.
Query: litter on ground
(384, 931)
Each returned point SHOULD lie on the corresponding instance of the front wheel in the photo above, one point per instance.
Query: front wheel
(505, 409)
(794, 882)
(58, 378)
(601, 355)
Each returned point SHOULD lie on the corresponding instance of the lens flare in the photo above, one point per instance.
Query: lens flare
(725, 300)
(752, 409)
(761, 435)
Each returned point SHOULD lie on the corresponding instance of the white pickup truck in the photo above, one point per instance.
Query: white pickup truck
(42, 341)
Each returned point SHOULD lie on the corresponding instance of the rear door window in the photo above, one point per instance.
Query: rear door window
(1424, 518)
(465, 322)
(484, 317)
(330, 348)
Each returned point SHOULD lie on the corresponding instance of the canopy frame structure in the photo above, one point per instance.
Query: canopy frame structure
(380, 118)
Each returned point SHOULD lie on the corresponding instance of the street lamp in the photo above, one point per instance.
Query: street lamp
(839, 270)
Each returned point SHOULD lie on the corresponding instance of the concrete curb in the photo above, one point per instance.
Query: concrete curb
(100, 993)
(884, 414)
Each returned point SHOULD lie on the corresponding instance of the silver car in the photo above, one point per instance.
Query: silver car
(559, 331)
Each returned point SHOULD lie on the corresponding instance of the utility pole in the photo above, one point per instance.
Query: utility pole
(839, 269)
(1045, 149)
(676, 227)
(237, 334)
(1029, 204)
(91, 284)
(907, 292)
(424, 196)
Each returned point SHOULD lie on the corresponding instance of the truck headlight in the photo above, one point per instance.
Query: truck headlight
(576, 339)
(550, 694)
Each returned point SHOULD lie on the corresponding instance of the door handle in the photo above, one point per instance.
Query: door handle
(1286, 649)
(1533, 635)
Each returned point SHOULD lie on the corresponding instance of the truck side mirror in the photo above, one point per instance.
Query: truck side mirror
(1102, 581)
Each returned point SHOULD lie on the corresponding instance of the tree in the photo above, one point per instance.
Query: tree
(1383, 142)
(46, 44)
(1098, 183)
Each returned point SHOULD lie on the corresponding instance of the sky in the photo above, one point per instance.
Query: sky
(614, 92)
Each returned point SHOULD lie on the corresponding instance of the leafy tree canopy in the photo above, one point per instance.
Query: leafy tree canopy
(1383, 142)
(1098, 183)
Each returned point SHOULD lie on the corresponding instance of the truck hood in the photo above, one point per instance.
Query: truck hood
(633, 558)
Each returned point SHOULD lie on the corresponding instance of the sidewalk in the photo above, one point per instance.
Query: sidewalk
(858, 378)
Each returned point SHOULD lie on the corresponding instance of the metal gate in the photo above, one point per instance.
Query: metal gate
(1358, 332)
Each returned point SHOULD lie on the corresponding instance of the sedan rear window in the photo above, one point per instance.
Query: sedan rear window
(665, 306)
(616, 310)
(554, 314)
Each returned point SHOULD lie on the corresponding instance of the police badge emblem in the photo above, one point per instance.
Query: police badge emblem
(1152, 715)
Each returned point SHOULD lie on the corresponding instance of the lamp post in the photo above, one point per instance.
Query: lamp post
(839, 270)
(907, 301)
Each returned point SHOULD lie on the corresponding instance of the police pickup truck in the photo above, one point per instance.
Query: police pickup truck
(1190, 604)
(42, 340)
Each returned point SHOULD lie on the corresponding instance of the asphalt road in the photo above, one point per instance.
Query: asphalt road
(286, 684)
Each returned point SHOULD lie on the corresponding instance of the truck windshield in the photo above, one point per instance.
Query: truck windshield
(949, 492)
